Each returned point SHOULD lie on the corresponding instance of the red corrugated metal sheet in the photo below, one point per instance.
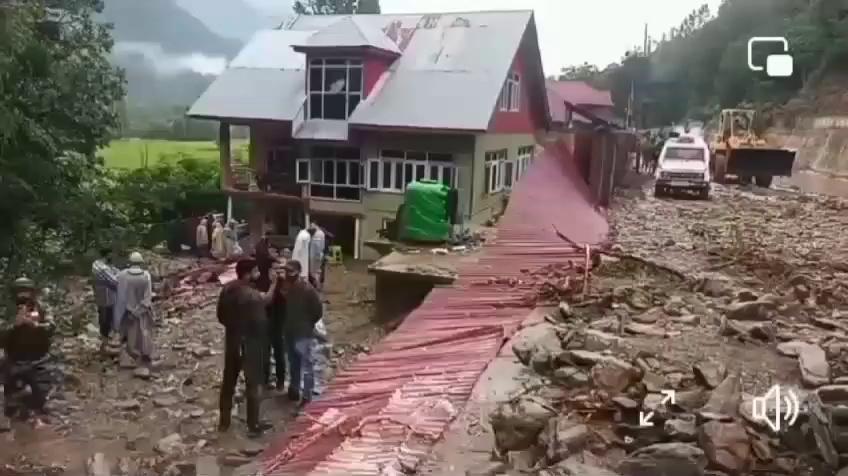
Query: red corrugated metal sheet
(390, 406)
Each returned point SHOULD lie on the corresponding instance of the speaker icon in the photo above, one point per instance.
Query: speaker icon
(778, 408)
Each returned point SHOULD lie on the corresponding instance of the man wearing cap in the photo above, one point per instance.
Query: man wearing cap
(242, 311)
(27, 344)
(134, 313)
(303, 311)
(105, 283)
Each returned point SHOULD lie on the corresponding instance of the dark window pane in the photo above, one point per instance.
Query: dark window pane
(387, 174)
(329, 175)
(447, 176)
(437, 157)
(408, 170)
(488, 178)
(347, 193)
(315, 78)
(398, 177)
(317, 62)
(420, 172)
(352, 101)
(374, 174)
(317, 171)
(303, 171)
(355, 62)
(434, 173)
(355, 84)
(355, 172)
(416, 155)
(334, 106)
(335, 62)
(391, 154)
(315, 104)
(508, 174)
(335, 80)
(341, 172)
(323, 152)
(322, 191)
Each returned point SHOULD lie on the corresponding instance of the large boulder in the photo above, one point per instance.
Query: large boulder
(572, 467)
(517, 423)
(665, 459)
(726, 446)
(563, 437)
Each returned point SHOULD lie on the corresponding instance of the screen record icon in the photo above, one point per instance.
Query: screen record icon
(778, 408)
(777, 66)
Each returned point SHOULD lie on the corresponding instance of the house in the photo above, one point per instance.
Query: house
(345, 110)
(564, 95)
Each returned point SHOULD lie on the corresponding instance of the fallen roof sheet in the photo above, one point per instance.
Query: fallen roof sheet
(390, 406)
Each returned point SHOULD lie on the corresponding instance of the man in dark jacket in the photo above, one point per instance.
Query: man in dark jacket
(242, 311)
(303, 311)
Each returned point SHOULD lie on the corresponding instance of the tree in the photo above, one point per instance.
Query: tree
(583, 72)
(57, 108)
(333, 7)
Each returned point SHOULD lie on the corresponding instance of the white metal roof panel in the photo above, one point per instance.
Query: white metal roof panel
(252, 93)
(348, 32)
(272, 49)
(322, 129)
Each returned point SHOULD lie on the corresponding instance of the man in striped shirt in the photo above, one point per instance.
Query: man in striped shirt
(105, 287)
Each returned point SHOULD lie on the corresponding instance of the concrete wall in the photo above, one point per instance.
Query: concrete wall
(485, 205)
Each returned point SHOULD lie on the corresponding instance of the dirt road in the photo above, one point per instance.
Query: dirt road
(161, 426)
(715, 301)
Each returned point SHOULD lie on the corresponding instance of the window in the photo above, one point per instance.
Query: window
(395, 169)
(333, 172)
(495, 163)
(335, 88)
(680, 153)
(525, 156)
(511, 94)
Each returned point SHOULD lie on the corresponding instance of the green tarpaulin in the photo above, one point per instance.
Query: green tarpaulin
(424, 216)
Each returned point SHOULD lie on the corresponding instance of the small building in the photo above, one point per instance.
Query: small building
(345, 110)
(580, 94)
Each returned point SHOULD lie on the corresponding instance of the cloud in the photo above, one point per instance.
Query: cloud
(171, 65)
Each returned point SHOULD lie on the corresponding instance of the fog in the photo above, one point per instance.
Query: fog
(167, 64)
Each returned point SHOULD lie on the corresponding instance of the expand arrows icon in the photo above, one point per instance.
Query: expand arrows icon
(646, 417)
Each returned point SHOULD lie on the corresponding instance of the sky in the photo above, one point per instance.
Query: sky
(570, 32)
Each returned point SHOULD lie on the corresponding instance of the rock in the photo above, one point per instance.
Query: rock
(201, 351)
(815, 370)
(675, 306)
(493, 468)
(726, 446)
(236, 460)
(792, 348)
(572, 467)
(127, 467)
(545, 341)
(98, 465)
(749, 311)
(682, 428)
(142, 372)
(690, 400)
(644, 329)
(764, 331)
(678, 459)
(165, 401)
(653, 402)
(126, 362)
(709, 374)
(517, 424)
(585, 357)
(522, 461)
(687, 319)
(714, 285)
(169, 445)
(563, 437)
(648, 317)
(726, 398)
(251, 449)
(571, 376)
(833, 394)
(130, 405)
(565, 311)
(5, 424)
(614, 375)
(599, 341)
(626, 403)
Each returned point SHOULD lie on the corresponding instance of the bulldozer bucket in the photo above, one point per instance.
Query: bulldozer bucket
(755, 161)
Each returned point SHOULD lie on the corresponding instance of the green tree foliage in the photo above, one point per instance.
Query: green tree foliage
(57, 107)
(583, 72)
(333, 7)
(701, 65)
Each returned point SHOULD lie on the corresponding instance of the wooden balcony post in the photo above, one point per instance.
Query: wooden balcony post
(224, 147)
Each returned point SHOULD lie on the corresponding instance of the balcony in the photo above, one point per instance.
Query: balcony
(246, 179)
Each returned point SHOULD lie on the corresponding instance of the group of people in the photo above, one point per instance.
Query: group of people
(216, 240)
(125, 310)
(650, 146)
(273, 307)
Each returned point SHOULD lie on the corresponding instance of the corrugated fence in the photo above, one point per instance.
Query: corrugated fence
(388, 408)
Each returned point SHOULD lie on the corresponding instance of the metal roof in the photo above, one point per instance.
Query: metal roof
(322, 129)
(349, 32)
(449, 75)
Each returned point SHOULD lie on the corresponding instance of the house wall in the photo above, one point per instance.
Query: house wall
(531, 114)
(375, 66)
(485, 204)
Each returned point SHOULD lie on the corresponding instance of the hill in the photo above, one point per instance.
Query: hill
(233, 19)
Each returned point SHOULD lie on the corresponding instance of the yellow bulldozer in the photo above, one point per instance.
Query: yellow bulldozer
(740, 152)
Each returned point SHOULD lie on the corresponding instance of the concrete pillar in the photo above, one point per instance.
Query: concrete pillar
(356, 237)
(226, 155)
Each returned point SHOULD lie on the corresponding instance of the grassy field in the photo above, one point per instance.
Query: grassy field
(135, 153)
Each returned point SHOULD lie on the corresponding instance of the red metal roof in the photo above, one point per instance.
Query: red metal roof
(389, 407)
(575, 92)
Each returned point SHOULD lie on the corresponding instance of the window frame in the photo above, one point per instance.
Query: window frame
(314, 167)
(510, 98)
(350, 66)
(494, 168)
(400, 166)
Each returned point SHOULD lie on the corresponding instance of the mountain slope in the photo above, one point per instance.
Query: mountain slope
(164, 23)
(233, 19)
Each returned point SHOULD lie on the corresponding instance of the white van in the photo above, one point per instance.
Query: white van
(683, 165)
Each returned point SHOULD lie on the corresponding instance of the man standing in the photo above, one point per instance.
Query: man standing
(27, 344)
(303, 311)
(316, 255)
(134, 313)
(242, 312)
(105, 287)
(201, 238)
(302, 250)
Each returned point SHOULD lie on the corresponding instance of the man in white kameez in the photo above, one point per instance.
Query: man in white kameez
(301, 252)
(134, 313)
(316, 255)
